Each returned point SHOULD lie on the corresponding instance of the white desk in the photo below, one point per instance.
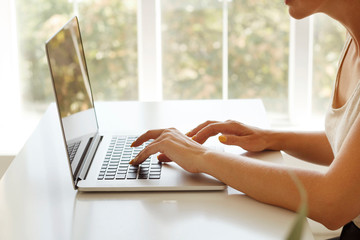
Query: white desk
(37, 200)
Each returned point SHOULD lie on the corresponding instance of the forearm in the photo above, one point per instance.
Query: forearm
(309, 146)
(270, 183)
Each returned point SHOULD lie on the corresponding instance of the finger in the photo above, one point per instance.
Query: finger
(210, 130)
(151, 134)
(232, 140)
(163, 158)
(198, 128)
(245, 142)
(159, 135)
(242, 142)
(228, 127)
(151, 149)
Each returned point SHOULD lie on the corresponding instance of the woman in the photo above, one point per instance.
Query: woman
(334, 196)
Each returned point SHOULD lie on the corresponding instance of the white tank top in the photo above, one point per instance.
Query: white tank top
(338, 121)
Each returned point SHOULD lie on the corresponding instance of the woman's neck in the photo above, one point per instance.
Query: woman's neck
(347, 12)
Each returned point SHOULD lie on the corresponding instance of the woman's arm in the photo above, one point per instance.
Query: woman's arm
(309, 146)
(312, 147)
(333, 197)
(272, 184)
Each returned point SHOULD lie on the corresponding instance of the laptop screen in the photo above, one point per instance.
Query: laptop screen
(72, 88)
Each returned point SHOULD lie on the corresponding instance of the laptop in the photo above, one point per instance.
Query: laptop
(100, 161)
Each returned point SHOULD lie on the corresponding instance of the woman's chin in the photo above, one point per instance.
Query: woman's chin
(297, 15)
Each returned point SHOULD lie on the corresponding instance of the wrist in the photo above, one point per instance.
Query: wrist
(207, 160)
(275, 140)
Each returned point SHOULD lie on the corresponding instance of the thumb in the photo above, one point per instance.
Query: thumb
(245, 142)
(233, 140)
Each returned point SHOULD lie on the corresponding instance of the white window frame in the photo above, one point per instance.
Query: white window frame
(149, 51)
(300, 70)
(10, 99)
(149, 68)
(300, 59)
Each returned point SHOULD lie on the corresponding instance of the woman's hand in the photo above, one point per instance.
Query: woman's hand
(173, 146)
(233, 133)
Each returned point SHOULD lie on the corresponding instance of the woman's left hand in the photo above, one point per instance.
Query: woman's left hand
(173, 146)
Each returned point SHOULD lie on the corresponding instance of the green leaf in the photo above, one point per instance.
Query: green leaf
(297, 228)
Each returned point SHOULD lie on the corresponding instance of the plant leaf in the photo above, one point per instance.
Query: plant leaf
(297, 228)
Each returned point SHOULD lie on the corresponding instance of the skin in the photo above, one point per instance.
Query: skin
(333, 196)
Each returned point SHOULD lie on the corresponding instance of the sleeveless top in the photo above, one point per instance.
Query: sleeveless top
(338, 121)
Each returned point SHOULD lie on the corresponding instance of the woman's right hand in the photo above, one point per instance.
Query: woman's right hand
(233, 133)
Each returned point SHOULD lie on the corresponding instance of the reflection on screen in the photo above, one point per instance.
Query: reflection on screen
(69, 70)
(72, 87)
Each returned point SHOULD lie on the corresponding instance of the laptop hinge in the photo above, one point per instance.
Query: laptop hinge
(84, 169)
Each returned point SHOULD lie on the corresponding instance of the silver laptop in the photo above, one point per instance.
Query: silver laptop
(97, 161)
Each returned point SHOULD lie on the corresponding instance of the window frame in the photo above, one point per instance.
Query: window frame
(300, 69)
(300, 59)
(150, 64)
(11, 122)
(149, 51)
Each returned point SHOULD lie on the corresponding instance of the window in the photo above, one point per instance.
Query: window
(109, 34)
(329, 38)
(194, 39)
(191, 49)
(259, 52)
(36, 19)
(110, 39)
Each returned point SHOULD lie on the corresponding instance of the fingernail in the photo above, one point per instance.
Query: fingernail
(132, 145)
(132, 161)
(222, 138)
(187, 134)
(193, 138)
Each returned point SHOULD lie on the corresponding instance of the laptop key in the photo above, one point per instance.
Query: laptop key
(156, 165)
(120, 176)
(116, 162)
(143, 176)
(154, 176)
(131, 175)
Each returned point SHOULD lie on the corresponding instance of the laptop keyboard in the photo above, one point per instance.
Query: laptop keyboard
(116, 163)
(72, 149)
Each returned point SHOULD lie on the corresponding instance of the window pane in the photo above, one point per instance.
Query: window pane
(192, 49)
(37, 20)
(110, 42)
(109, 35)
(259, 52)
(329, 38)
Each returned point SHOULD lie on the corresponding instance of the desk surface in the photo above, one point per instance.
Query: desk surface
(37, 200)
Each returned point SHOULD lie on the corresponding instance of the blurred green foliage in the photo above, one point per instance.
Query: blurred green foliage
(110, 41)
(259, 52)
(191, 49)
(36, 21)
(109, 34)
